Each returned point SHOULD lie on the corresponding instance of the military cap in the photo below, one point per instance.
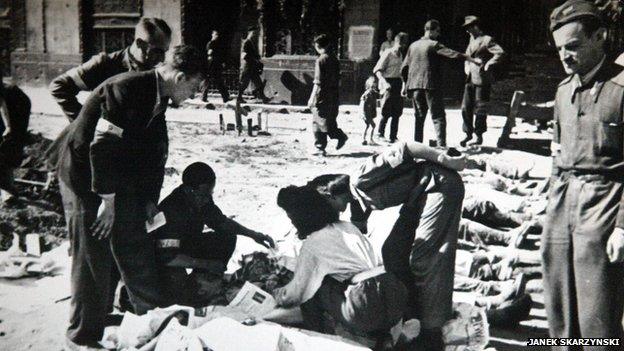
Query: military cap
(470, 20)
(573, 10)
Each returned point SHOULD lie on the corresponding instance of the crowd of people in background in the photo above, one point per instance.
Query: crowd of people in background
(110, 163)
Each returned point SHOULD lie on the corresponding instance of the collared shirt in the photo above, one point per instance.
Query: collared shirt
(589, 129)
(385, 46)
(338, 250)
(389, 63)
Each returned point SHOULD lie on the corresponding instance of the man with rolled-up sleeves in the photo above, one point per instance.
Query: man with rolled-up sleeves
(110, 169)
(583, 238)
(485, 54)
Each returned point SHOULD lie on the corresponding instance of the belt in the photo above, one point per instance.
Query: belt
(591, 174)
(371, 273)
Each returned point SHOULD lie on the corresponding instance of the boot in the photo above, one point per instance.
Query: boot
(510, 313)
(477, 141)
(465, 140)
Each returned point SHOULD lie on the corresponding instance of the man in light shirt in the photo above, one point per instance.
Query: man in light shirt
(388, 71)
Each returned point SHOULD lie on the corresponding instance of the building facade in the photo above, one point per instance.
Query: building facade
(39, 39)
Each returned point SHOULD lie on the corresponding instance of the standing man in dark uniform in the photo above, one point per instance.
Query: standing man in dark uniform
(251, 66)
(14, 118)
(152, 37)
(388, 71)
(583, 237)
(485, 53)
(111, 169)
(216, 63)
(324, 99)
(422, 75)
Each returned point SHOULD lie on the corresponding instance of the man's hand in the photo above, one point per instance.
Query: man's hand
(263, 240)
(150, 212)
(311, 102)
(404, 90)
(615, 246)
(103, 225)
(457, 163)
(476, 61)
(6, 132)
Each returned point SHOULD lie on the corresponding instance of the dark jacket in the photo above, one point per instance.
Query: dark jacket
(117, 143)
(422, 66)
(88, 76)
(486, 49)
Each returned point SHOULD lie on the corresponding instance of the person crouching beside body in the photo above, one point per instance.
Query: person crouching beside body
(182, 244)
(337, 272)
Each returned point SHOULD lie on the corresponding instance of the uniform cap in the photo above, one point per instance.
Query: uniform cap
(572, 10)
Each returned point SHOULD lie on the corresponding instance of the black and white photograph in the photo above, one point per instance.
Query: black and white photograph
(307, 175)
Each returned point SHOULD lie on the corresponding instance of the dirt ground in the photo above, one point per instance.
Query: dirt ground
(250, 171)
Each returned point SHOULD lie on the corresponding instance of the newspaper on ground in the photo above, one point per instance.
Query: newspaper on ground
(254, 301)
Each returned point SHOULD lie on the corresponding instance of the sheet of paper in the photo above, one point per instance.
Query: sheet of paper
(254, 300)
(157, 222)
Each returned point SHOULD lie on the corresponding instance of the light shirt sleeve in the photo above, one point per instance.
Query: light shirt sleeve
(308, 278)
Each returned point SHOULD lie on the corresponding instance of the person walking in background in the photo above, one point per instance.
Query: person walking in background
(388, 43)
(423, 81)
(368, 109)
(251, 66)
(583, 238)
(324, 97)
(388, 71)
(215, 53)
(485, 53)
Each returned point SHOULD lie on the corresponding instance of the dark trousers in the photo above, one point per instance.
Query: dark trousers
(584, 292)
(475, 102)
(94, 261)
(420, 249)
(324, 125)
(216, 75)
(423, 101)
(391, 108)
(252, 75)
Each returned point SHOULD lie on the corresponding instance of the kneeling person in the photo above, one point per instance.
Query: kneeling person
(182, 243)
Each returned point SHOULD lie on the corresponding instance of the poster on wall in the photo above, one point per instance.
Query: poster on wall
(361, 39)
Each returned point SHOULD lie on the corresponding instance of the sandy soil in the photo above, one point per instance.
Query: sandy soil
(250, 171)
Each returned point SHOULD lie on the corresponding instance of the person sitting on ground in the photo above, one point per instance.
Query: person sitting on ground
(14, 117)
(337, 274)
(182, 243)
(368, 107)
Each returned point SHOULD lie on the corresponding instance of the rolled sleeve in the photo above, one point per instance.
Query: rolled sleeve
(382, 63)
(442, 50)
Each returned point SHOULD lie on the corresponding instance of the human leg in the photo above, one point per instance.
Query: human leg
(468, 105)
(134, 253)
(419, 101)
(435, 100)
(482, 99)
(92, 264)
(386, 112)
(432, 258)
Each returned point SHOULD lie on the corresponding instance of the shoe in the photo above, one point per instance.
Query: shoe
(364, 142)
(465, 140)
(318, 152)
(240, 100)
(510, 313)
(226, 100)
(519, 235)
(477, 141)
(341, 142)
